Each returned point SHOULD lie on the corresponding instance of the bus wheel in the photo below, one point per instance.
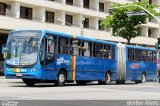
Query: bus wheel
(101, 82)
(107, 79)
(143, 78)
(120, 82)
(61, 79)
(81, 82)
(29, 82)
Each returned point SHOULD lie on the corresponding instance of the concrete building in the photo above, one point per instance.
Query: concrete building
(67, 16)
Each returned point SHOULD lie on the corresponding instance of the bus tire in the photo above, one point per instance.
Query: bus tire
(61, 79)
(137, 82)
(107, 79)
(120, 82)
(143, 78)
(101, 82)
(29, 82)
(81, 82)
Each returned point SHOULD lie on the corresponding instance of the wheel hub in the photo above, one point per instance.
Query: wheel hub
(61, 78)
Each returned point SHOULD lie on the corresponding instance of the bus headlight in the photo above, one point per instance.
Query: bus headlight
(7, 69)
(34, 69)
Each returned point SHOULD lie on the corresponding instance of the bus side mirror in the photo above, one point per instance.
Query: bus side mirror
(4, 51)
(3, 47)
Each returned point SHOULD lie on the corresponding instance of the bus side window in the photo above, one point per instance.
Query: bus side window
(150, 56)
(144, 55)
(97, 50)
(108, 52)
(131, 54)
(113, 52)
(154, 56)
(76, 47)
(63, 45)
(86, 47)
(137, 56)
(51, 44)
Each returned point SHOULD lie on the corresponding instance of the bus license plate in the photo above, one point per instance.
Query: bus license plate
(19, 75)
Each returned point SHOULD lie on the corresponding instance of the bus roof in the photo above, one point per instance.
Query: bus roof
(79, 37)
(140, 47)
(85, 38)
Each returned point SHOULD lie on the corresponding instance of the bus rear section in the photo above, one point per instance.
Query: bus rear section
(136, 63)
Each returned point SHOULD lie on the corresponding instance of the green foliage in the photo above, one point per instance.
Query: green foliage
(126, 26)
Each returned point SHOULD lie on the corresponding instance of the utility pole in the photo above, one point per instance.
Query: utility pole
(82, 26)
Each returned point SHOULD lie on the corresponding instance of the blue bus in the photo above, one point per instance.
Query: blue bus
(47, 56)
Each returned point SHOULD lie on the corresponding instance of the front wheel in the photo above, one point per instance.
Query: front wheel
(61, 79)
(29, 82)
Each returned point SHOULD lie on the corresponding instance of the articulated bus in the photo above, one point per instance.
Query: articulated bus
(47, 56)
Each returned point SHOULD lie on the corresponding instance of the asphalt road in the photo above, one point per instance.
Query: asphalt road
(11, 89)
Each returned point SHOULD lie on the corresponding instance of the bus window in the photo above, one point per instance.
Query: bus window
(154, 56)
(86, 48)
(113, 52)
(97, 50)
(75, 47)
(131, 54)
(51, 42)
(63, 44)
(144, 55)
(137, 56)
(150, 56)
(108, 52)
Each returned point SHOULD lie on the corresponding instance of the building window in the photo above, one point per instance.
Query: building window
(149, 33)
(69, 2)
(2, 8)
(49, 17)
(86, 4)
(25, 12)
(101, 7)
(100, 27)
(69, 20)
(86, 23)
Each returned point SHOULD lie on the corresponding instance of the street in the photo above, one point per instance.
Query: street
(16, 89)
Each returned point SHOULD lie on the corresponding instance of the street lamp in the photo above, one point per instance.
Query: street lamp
(138, 7)
(82, 26)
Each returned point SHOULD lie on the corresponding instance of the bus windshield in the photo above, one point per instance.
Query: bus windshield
(22, 48)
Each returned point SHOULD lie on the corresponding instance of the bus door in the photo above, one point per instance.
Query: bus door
(47, 56)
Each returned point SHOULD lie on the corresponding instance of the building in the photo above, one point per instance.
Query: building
(67, 16)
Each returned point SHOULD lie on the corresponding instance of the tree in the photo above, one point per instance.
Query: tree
(124, 25)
